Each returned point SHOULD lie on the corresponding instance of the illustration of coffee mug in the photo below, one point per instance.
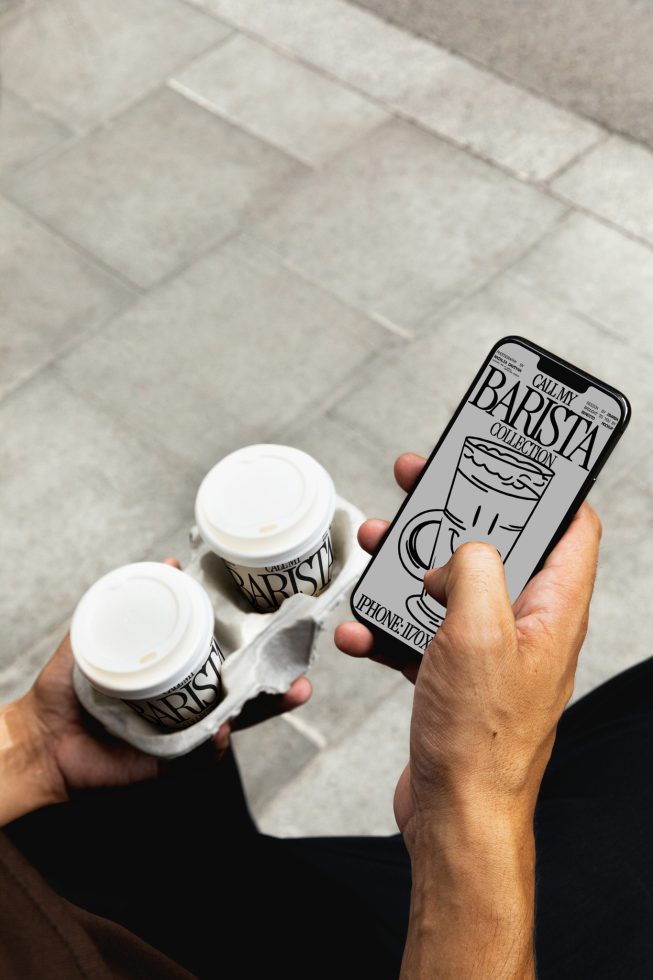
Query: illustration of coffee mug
(492, 496)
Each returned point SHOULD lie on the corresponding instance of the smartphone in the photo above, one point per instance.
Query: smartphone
(522, 451)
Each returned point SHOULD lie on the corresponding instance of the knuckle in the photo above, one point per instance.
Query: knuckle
(476, 552)
(496, 637)
(477, 562)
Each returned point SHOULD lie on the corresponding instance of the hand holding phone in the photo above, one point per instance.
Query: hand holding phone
(518, 457)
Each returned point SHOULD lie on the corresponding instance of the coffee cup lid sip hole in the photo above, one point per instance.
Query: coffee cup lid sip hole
(264, 504)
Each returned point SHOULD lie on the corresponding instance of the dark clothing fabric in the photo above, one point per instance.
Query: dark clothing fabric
(594, 839)
(43, 935)
(180, 865)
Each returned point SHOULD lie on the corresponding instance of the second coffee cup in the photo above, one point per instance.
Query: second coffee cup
(267, 510)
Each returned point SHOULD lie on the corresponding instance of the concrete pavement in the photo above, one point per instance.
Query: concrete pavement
(231, 221)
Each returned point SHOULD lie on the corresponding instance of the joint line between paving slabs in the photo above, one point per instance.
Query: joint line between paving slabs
(603, 138)
(399, 113)
(574, 206)
(310, 733)
(403, 333)
(208, 106)
(482, 66)
(485, 281)
(81, 250)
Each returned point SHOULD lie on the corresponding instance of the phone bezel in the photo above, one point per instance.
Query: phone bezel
(401, 651)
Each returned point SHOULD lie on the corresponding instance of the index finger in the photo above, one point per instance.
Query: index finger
(407, 468)
(578, 545)
(560, 593)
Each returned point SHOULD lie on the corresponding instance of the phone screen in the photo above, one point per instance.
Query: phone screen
(507, 471)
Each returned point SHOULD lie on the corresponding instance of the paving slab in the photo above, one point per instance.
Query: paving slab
(18, 675)
(402, 223)
(346, 690)
(278, 99)
(592, 57)
(499, 121)
(403, 403)
(175, 543)
(338, 38)
(162, 183)
(615, 181)
(228, 353)
(25, 133)
(82, 63)
(341, 304)
(348, 788)
(595, 270)
(80, 495)
(52, 296)
(9, 8)
(360, 464)
(643, 473)
(269, 756)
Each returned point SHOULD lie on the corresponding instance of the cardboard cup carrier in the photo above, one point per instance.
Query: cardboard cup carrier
(163, 657)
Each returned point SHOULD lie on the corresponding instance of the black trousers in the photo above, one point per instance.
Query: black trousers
(181, 863)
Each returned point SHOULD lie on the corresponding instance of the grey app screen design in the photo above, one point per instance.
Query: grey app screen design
(506, 473)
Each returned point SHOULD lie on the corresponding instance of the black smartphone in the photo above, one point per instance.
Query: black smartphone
(513, 465)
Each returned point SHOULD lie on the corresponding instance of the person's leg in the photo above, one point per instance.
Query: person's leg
(594, 853)
(147, 855)
(355, 898)
(589, 756)
(142, 855)
(341, 904)
(593, 834)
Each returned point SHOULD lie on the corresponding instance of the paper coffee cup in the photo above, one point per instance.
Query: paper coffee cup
(266, 510)
(144, 634)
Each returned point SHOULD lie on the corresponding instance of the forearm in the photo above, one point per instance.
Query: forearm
(472, 903)
(26, 778)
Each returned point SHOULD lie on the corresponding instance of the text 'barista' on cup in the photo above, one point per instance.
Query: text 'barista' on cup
(267, 510)
(144, 634)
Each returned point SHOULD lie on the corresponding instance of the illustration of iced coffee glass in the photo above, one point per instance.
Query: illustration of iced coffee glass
(492, 496)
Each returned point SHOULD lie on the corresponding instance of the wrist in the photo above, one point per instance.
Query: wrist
(472, 899)
(28, 771)
(478, 845)
(469, 812)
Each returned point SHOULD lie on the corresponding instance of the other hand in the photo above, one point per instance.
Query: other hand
(494, 681)
(50, 747)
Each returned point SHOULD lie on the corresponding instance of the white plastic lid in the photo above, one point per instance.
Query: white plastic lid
(264, 505)
(140, 629)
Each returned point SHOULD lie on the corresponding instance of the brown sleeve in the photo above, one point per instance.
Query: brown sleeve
(42, 935)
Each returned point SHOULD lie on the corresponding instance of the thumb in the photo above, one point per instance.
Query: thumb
(472, 586)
